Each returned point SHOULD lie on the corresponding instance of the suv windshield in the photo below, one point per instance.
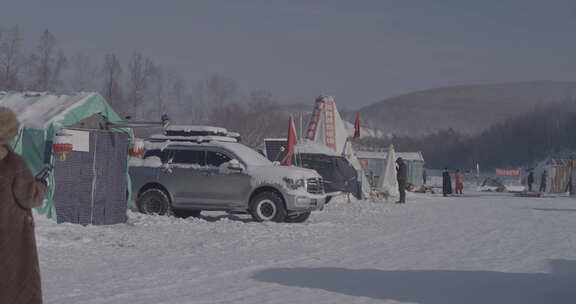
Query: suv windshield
(246, 154)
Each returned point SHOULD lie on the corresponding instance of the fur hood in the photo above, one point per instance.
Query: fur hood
(9, 126)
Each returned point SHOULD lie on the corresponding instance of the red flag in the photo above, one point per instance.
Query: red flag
(357, 126)
(292, 140)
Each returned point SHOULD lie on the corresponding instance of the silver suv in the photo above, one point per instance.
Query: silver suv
(184, 176)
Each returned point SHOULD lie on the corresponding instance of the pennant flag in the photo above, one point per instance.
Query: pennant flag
(292, 141)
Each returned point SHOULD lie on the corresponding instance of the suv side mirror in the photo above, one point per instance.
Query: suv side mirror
(235, 166)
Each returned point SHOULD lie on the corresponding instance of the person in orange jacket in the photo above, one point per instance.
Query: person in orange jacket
(459, 181)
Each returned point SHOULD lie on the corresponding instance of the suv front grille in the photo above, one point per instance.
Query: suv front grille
(315, 185)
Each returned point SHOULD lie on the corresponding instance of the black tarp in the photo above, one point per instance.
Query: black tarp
(91, 187)
(336, 171)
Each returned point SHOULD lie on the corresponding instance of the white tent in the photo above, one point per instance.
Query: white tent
(387, 181)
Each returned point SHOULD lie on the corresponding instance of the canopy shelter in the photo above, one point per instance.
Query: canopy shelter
(43, 115)
(380, 168)
(560, 175)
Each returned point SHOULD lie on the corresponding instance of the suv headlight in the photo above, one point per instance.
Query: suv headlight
(294, 183)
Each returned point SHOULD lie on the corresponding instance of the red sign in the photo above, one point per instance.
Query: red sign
(508, 172)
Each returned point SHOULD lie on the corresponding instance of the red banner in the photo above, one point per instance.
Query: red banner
(508, 172)
(292, 141)
(357, 126)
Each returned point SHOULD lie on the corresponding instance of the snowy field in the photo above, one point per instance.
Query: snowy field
(482, 248)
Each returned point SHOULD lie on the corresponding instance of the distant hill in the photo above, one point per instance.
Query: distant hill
(469, 109)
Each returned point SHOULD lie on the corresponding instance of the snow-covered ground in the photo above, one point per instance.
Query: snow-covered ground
(481, 248)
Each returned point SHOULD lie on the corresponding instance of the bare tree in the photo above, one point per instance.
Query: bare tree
(196, 104)
(112, 71)
(84, 73)
(220, 89)
(256, 120)
(47, 64)
(11, 59)
(261, 96)
(168, 91)
(140, 70)
(158, 85)
(177, 91)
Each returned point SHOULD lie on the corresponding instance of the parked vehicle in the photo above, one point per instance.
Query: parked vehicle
(183, 175)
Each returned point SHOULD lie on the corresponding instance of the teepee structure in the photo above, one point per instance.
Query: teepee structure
(327, 129)
(326, 126)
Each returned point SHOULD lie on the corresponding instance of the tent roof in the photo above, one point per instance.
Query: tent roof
(39, 110)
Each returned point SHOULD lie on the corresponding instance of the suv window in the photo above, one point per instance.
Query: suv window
(216, 158)
(188, 157)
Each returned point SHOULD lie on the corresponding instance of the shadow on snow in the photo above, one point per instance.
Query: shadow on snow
(436, 286)
(553, 209)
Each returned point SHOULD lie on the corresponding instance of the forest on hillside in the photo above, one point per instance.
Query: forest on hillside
(523, 141)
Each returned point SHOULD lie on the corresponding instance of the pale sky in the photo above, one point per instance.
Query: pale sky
(360, 51)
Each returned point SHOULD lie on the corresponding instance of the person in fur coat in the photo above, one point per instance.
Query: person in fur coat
(19, 193)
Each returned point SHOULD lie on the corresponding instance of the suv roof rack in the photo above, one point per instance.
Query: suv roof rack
(195, 139)
(194, 133)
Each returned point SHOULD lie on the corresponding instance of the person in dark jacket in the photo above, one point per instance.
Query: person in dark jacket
(401, 176)
(543, 181)
(19, 193)
(530, 180)
(446, 182)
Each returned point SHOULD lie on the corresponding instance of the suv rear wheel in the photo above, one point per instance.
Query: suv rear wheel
(267, 206)
(154, 201)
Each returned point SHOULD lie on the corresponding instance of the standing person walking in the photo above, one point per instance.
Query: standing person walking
(19, 192)
(530, 180)
(401, 176)
(543, 181)
(446, 182)
(459, 182)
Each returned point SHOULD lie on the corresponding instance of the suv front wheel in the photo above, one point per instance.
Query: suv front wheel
(267, 206)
